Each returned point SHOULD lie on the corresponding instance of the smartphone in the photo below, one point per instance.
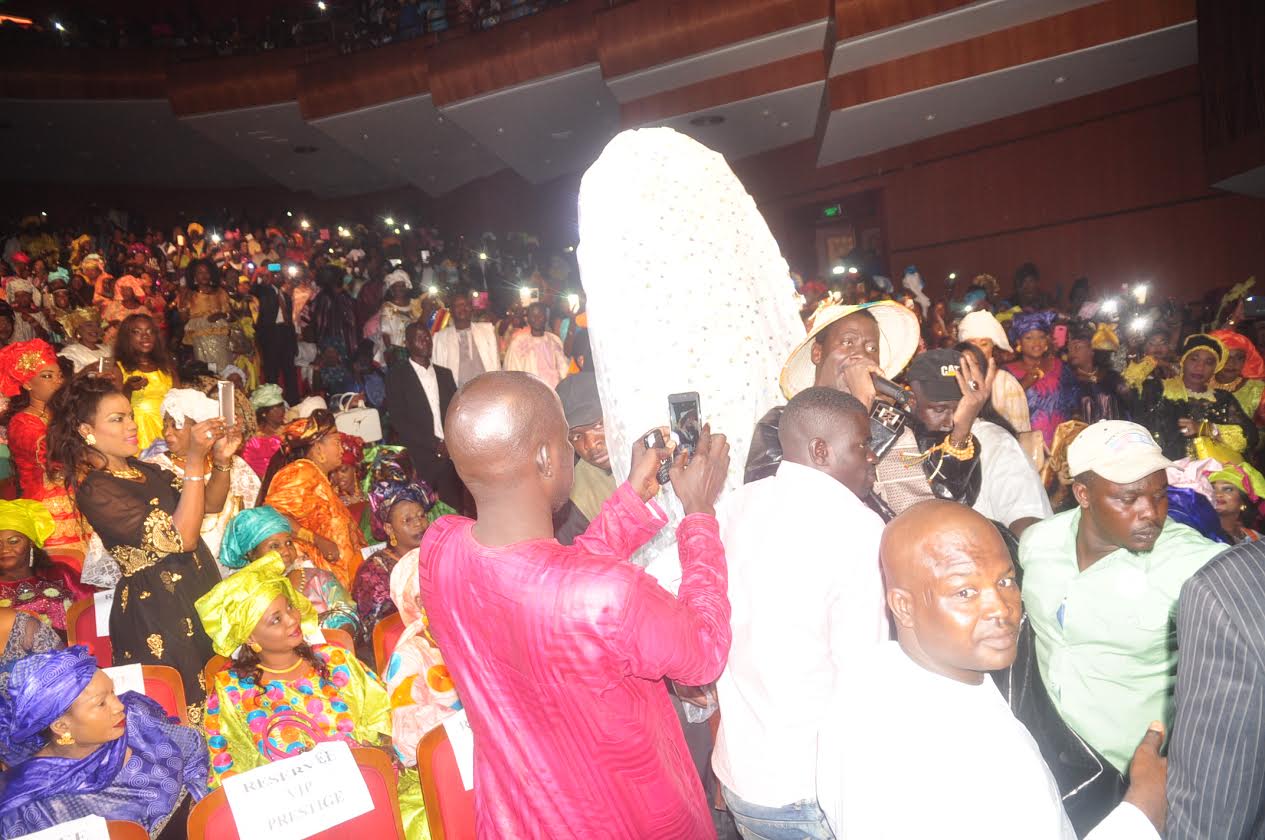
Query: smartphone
(1253, 307)
(225, 396)
(686, 421)
(1059, 334)
(274, 267)
(100, 365)
(425, 256)
(180, 239)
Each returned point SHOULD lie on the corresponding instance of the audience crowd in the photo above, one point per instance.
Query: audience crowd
(977, 534)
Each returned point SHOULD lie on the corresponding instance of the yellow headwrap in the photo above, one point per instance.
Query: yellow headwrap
(29, 518)
(232, 609)
(1105, 337)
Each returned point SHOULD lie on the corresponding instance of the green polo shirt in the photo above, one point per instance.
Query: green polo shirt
(1105, 637)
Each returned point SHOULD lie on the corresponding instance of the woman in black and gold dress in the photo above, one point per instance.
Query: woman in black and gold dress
(149, 520)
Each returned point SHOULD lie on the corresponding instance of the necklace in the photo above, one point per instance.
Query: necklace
(130, 473)
(262, 667)
(1232, 385)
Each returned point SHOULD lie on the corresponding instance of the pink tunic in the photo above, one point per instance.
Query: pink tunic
(559, 653)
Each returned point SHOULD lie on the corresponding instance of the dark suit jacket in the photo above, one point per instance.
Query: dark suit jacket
(270, 298)
(410, 415)
(1216, 751)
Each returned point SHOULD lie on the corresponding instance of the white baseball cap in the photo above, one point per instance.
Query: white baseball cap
(1117, 450)
(983, 324)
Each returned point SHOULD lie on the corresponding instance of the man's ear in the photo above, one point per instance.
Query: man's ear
(544, 461)
(901, 604)
(819, 451)
(1080, 492)
(815, 354)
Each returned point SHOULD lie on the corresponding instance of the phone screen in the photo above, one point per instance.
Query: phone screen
(226, 401)
(274, 267)
(180, 240)
(687, 423)
(1060, 336)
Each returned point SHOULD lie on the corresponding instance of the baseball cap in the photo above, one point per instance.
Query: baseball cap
(1117, 450)
(936, 371)
(580, 402)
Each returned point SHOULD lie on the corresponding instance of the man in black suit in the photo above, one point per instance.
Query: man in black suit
(1216, 781)
(274, 333)
(418, 394)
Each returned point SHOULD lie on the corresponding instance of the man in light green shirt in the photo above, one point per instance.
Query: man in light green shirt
(1100, 586)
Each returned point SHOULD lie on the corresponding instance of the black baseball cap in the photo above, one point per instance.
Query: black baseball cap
(937, 372)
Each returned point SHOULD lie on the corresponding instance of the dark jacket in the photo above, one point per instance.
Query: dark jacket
(410, 417)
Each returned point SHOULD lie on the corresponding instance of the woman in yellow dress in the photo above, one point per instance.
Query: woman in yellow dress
(148, 374)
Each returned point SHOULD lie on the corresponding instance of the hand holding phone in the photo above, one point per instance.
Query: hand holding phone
(225, 396)
(697, 479)
(650, 461)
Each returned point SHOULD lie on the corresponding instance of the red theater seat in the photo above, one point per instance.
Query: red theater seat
(81, 629)
(449, 806)
(386, 635)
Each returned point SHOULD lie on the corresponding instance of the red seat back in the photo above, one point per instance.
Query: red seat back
(81, 629)
(386, 635)
(449, 806)
(164, 686)
(212, 818)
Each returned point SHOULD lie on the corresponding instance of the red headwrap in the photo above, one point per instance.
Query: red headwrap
(1253, 364)
(21, 361)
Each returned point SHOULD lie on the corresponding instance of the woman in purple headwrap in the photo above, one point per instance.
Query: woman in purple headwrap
(1047, 383)
(75, 749)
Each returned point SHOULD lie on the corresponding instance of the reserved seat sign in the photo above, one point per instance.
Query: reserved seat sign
(84, 828)
(299, 796)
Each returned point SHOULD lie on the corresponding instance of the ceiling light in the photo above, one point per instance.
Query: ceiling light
(953, 275)
(500, 131)
(58, 26)
(44, 213)
(320, 4)
(1058, 80)
(483, 256)
(709, 120)
(289, 212)
(929, 117)
(305, 224)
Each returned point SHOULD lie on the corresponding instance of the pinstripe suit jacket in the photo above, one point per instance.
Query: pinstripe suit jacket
(1216, 771)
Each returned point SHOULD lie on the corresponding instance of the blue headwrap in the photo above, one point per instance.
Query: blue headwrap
(1025, 322)
(386, 494)
(41, 689)
(247, 530)
(1189, 507)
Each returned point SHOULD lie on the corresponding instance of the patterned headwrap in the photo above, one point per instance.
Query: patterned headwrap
(1200, 341)
(247, 530)
(1253, 364)
(1026, 322)
(306, 430)
(21, 361)
(128, 281)
(266, 396)
(43, 686)
(90, 261)
(232, 609)
(29, 518)
(353, 452)
(387, 494)
(1245, 477)
(384, 462)
(18, 285)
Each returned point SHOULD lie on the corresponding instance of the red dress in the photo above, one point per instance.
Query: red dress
(28, 441)
(559, 654)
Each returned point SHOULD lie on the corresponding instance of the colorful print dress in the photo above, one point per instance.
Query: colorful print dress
(351, 705)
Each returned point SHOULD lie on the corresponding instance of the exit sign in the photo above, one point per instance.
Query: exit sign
(833, 211)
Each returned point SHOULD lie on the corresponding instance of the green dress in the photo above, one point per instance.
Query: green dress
(352, 704)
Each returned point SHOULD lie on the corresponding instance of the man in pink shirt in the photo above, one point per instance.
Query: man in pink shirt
(559, 652)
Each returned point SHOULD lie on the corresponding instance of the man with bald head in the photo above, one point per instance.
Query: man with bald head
(559, 652)
(921, 743)
(804, 603)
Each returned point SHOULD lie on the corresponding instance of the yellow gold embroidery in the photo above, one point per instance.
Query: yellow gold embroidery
(201, 680)
(123, 599)
(169, 580)
(188, 624)
(127, 654)
(195, 714)
(153, 502)
(132, 559)
(155, 643)
(145, 593)
(160, 534)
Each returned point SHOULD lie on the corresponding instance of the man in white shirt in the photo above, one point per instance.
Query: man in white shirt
(464, 347)
(1010, 490)
(538, 351)
(806, 598)
(418, 394)
(919, 742)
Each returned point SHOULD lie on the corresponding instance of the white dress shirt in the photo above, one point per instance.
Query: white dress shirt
(908, 754)
(430, 384)
(806, 595)
(1010, 488)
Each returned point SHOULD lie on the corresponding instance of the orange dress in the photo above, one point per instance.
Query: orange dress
(28, 435)
(302, 492)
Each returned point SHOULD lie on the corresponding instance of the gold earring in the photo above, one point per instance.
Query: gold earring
(65, 739)
(255, 646)
(90, 439)
(1242, 507)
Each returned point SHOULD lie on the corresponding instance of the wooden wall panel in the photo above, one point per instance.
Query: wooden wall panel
(245, 81)
(644, 34)
(370, 77)
(859, 17)
(1075, 30)
(82, 74)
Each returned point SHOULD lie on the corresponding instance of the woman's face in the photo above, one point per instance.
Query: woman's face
(406, 524)
(89, 333)
(1198, 368)
(343, 478)
(15, 555)
(1157, 347)
(280, 630)
(144, 335)
(45, 384)
(1227, 499)
(275, 415)
(281, 542)
(327, 453)
(113, 427)
(61, 298)
(1233, 366)
(985, 344)
(96, 717)
(177, 438)
(128, 294)
(1034, 344)
(202, 277)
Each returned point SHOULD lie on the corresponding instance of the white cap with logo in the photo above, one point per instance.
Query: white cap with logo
(1117, 450)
